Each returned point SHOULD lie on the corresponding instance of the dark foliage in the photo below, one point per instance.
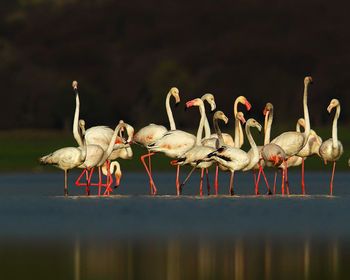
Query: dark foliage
(126, 55)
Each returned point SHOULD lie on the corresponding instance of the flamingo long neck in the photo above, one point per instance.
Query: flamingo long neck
(239, 139)
(111, 143)
(255, 156)
(218, 132)
(76, 134)
(201, 123)
(268, 127)
(335, 128)
(83, 147)
(169, 112)
(114, 165)
(238, 127)
(306, 114)
(207, 131)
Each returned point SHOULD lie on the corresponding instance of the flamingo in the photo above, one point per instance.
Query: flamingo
(174, 143)
(236, 159)
(332, 149)
(292, 141)
(153, 132)
(101, 157)
(273, 156)
(114, 167)
(98, 135)
(311, 148)
(66, 158)
(196, 155)
(268, 112)
(238, 134)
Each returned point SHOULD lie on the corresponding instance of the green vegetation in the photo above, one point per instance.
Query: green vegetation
(21, 149)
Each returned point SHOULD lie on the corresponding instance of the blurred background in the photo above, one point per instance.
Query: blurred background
(126, 55)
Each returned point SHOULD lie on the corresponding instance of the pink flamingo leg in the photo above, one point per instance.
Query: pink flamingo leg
(201, 185)
(109, 180)
(150, 169)
(332, 178)
(99, 181)
(231, 191)
(153, 187)
(302, 176)
(283, 182)
(256, 187)
(257, 181)
(177, 180)
(208, 185)
(274, 184)
(87, 183)
(216, 179)
(263, 173)
(287, 183)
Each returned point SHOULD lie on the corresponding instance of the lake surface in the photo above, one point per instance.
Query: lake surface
(132, 235)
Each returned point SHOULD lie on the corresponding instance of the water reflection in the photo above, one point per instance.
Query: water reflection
(177, 259)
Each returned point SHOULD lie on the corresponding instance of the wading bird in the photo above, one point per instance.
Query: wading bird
(332, 149)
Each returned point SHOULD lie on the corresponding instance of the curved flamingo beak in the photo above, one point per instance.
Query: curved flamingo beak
(329, 108)
(225, 119)
(190, 103)
(177, 99)
(117, 181)
(248, 105)
(310, 80)
(242, 120)
(265, 111)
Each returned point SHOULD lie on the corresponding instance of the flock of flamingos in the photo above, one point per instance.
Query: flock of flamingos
(100, 146)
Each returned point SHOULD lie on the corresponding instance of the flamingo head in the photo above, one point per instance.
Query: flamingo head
(118, 176)
(253, 123)
(240, 116)
(301, 121)
(175, 92)
(130, 130)
(210, 99)
(220, 115)
(268, 108)
(82, 126)
(194, 102)
(308, 79)
(75, 85)
(247, 104)
(334, 103)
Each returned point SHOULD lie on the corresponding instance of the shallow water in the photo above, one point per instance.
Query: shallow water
(131, 235)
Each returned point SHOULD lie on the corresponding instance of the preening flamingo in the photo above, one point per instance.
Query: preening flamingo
(236, 159)
(66, 158)
(114, 167)
(332, 149)
(292, 141)
(102, 159)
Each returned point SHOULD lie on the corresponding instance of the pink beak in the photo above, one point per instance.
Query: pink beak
(248, 105)
(190, 103)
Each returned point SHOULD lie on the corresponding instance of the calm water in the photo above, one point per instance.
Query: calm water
(132, 235)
